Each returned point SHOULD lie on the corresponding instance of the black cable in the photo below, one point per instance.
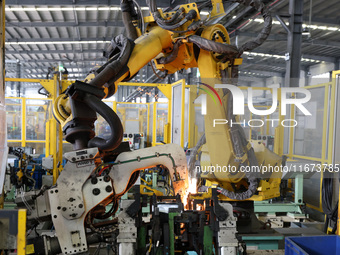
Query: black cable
(42, 93)
(327, 197)
(267, 25)
(203, 5)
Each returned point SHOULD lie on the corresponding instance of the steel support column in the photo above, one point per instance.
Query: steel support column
(18, 74)
(337, 64)
(294, 43)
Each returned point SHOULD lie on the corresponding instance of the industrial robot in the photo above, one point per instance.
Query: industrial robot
(87, 196)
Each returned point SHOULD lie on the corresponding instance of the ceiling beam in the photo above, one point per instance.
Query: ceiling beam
(265, 73)
(56, 39)
(309, 56)
(276, 37)
(265, 63)
(325, 43)
(324, 21)
(45, 73)
(29, 61)
(321, 58)
(279, 37)
(142, 3)
(239, 17)
(116, 23)
(44, 66)
(33, 52)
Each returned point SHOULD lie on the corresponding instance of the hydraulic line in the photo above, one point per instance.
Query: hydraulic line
(327, 197)
(227, 50)
(172, 56)
(108, 74)
(113, 120)
(267, 25)
(128, 15)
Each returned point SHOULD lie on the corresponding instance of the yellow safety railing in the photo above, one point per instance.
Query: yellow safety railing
(159, 123)
(327, 137)
(22, 115)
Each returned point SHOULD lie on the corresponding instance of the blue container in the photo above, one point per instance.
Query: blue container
(312, 245)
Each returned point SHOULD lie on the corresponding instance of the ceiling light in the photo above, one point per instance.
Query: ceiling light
(259, 20)
(112, 8)
(275, 22)
(56, 42)
(332, 28)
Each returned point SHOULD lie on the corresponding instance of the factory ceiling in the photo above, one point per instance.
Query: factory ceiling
(44, 33)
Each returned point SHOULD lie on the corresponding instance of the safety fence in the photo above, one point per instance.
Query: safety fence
(27, 122)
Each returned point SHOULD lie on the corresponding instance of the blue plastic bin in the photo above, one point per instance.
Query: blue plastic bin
(312, 245)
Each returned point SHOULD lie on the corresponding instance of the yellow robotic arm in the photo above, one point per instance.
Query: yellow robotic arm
(98, 172)
(173, 40)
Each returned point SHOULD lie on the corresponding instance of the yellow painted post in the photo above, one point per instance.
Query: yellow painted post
(335, 75)
(54, 132)
(324, 126)
(267, 127)
(23, 123)
(60, 146)
(154, 126)
(168, 128)
(279, 132)
(21, 236)
(332, 117)
(148, 124)
(183, 113)
(191, 132)
(169, 116)
(47, 144)
(53, 148)
(114, 106)
(166, 133)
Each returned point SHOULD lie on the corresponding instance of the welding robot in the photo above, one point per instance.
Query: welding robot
(100, 171)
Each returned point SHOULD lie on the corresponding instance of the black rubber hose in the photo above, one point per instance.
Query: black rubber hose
(175, 21)
(267, 25)
(171, 27)
(193, 154)
(172, 56)
(112, 119)
(112, 69)
(227, 50)
(175, 18)
(189, 16)
(42, 93)
(128, 15)
(327, 198)
(131, 31)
